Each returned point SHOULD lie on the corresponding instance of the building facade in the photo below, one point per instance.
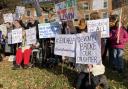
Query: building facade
(86, 7)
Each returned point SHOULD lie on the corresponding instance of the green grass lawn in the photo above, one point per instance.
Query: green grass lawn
(36, 78)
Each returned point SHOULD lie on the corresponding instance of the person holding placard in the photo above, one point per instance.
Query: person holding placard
(33, 23)
(70, 29)
(90, 76)
(118, 47)
(23, 51)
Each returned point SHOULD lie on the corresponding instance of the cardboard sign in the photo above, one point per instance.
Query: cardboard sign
(99, 25)
(97, 5)
(67, 10)
(31, 35)
(65, 45)
(8, 17)
(88, 48)
(3, 29)
(17, 36)
(20, 10)
(9, 37)
(48, 30)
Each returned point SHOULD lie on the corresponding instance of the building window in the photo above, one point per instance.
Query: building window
(105, 15)
(87, 17)
(86, 6)
(125, 2)
(105, 3)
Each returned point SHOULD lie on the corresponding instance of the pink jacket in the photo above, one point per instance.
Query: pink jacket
(123, 38)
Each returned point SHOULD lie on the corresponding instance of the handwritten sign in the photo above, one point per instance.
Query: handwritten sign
(16, 35)
(65, 45)
(48, 30)
(31, 35)
(20, 10)
(97, 5)
(3, 29)
(8, 17)
(67, 10)
(9, 37)
(99, 25)
(88, 48)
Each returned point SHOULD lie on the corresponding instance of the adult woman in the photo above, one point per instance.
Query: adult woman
(89, 73)
(117, 47)
(82, 26)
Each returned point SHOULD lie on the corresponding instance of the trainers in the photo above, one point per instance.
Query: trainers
(27, 66)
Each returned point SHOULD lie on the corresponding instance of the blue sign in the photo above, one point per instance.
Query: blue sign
(49, 30)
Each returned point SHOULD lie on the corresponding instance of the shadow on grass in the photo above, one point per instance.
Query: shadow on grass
(114, 75)
(1, 86)
(67, 72)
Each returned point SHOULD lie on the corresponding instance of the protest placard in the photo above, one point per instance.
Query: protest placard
(31, 35)
(67, 10)
(9, 37)
(16, 35)
(48, 30)
(65, 45)
(3, 29)
(20, 10)
(88, 48)
(98, 5)
(99, 25)
(8, 17)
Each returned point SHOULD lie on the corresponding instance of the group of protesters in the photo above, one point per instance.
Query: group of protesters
(88, 73)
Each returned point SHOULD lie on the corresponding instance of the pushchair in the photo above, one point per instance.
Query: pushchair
(35, 57)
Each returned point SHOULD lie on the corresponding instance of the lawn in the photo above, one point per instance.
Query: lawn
(44, 78)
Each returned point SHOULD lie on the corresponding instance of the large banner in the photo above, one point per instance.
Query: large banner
(99, 25)
(8, 17)
(9, 37)
(16, 35)
(31, 35)
(48, 30)
(3, 29)
(65, 45)
(88, 48)
(67, 10)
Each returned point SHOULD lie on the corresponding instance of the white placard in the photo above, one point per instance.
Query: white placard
(8, 17)
(88, 48)
(48, 30)
(98, 4)
(31, 35)
(16, 35)
(9, 37)
(65, 45)
(20, 10)
(99, 25)
(3, 29)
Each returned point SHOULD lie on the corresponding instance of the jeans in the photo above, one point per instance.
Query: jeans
(111, 57)
(118, 61)
(83, 81)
